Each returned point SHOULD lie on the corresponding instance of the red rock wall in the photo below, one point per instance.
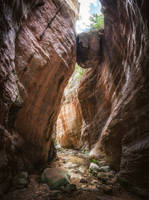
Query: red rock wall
(92, 92)
(44, 67)
(31, 87)
(69, 124)
(11, 15)
(120, 91)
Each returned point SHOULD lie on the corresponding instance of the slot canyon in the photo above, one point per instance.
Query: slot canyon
(69, 132)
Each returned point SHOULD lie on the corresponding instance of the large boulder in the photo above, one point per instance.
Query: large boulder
(55, 178)
(89, 48)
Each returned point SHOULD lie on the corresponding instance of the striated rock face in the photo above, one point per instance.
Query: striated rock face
(31, 86)
(69, 123)
(92, 91)
(115, 104)
(11, 15)
(45, 58)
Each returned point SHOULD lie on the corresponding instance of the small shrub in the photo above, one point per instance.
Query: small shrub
(79, 72)
(84, 151)
(94, 161)
(97, 21)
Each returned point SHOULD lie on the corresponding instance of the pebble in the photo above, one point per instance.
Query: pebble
(102, 163)
(94, 167)
(94, 182)
(83, 180)
(107, 189)
(69, 188)
(102, 176)
(54, 193)
(91, 189)
(104, 169)
(82, 169)
(21, 180)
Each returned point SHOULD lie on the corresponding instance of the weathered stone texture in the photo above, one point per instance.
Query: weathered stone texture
(44, 53)
(120, 92)
(44, 65)
(69, 124)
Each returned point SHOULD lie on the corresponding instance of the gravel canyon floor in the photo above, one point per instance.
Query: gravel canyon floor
(91, 180)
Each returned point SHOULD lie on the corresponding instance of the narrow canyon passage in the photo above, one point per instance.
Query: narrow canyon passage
(71, 172)
(74, 108)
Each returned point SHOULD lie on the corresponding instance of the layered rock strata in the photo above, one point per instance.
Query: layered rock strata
(45, 58)
(70, 122)
(35, 69)
(115, 103)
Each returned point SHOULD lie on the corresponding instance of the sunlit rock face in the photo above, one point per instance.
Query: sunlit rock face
(45, 59)
(44, 54)
(70, 122)
(117, 110)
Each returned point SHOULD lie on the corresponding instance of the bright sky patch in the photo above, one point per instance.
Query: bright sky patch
(87, 9)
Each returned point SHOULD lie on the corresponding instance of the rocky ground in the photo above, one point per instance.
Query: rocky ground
(72, 175)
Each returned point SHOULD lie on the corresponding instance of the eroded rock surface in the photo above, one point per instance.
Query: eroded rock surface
(45, 59)
(44, 54)
(70, 122)
(115, 103)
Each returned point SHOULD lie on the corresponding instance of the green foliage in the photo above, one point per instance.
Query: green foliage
(79, 72)
(94, 161)
(76, 78)
(97, 21)
(84, 151)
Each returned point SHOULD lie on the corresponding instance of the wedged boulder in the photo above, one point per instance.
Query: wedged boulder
(89, 48)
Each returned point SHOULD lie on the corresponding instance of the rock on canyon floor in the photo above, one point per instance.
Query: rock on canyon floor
(89, 179)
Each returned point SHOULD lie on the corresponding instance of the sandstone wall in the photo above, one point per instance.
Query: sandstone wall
(35, 68)
(44, 65)
(69, 124)
(120, 92)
